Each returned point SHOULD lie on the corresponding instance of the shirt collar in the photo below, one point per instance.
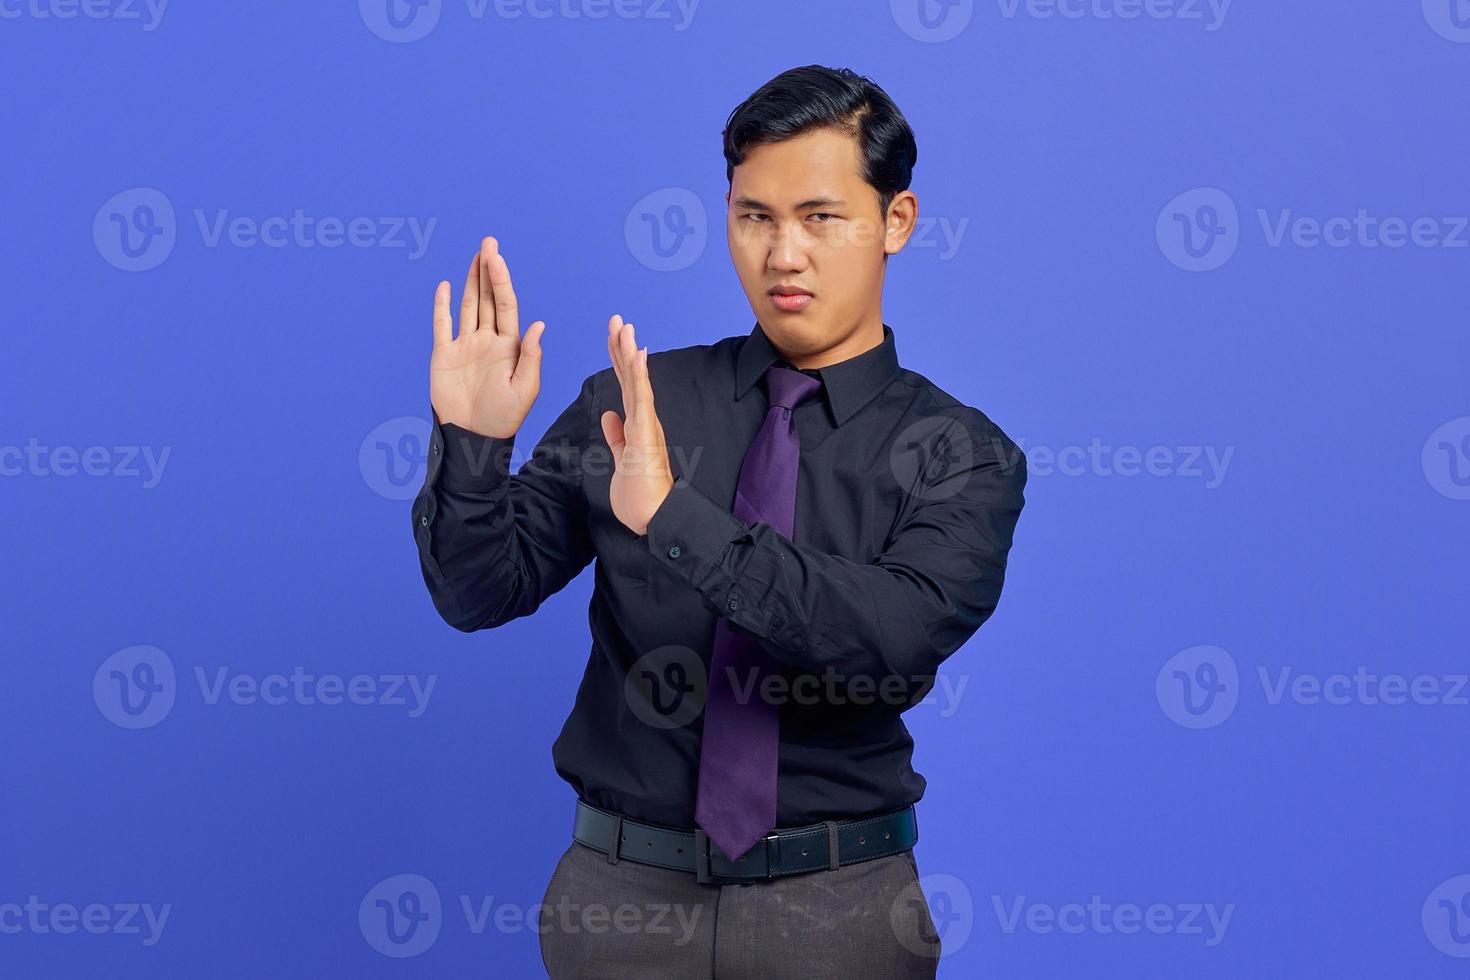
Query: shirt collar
(849, 384)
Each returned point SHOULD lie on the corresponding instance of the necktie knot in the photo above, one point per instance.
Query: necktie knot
(789, 388)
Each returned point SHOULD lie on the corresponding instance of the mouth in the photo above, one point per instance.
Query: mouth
(790, 299)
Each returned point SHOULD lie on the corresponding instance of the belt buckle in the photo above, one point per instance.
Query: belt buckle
(703, 875)
(701, 857)
(773, 851)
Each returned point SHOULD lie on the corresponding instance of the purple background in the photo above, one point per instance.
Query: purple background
(1333, 540)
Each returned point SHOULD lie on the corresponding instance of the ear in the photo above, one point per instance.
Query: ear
(903, 215)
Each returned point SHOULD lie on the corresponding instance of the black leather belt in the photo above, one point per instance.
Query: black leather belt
(784, 851)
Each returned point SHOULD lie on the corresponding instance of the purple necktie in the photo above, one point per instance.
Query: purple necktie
(736, 800)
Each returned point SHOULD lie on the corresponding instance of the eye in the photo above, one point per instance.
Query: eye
(753, 217)
(823, 214)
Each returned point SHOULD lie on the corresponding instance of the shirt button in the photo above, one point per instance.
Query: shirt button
(674, 552)
(733, 604)
(424, 520)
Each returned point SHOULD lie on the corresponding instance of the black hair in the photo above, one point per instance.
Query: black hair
(802, 99)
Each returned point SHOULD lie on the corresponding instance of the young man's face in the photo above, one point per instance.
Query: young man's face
(800, 215)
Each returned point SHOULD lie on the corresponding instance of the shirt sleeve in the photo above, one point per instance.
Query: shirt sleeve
(938, 579)
(493, 545)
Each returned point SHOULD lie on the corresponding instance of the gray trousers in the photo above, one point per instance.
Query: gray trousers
(631, 921)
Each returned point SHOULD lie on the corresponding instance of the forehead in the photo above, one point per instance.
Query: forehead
(822, 162)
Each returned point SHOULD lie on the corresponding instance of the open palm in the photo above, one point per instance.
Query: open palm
(487, 378)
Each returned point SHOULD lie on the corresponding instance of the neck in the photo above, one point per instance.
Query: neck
(865, 337)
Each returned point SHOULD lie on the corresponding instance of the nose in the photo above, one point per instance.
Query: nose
(787, 252)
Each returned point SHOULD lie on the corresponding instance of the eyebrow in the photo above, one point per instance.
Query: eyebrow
(751, 204)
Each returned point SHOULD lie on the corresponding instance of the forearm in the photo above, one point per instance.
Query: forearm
(899, 616)
(492, 545)
(464, 528)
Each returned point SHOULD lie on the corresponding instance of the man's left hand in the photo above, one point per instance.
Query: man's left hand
(641, 478)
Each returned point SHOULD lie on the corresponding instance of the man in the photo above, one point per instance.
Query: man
(790, 539)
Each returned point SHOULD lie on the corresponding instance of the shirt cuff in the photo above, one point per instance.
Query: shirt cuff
(690, 533)
(474, 463)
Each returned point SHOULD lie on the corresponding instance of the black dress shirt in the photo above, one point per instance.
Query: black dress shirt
(905, 508)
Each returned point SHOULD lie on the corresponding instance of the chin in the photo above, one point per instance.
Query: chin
(794, 331)
(769, 310)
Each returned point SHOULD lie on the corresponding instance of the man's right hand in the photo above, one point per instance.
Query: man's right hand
(486, 379)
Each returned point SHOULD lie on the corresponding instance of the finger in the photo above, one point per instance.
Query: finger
(443, 328)
(471, 298)
(507, 314)
(613, 326)
(627, 350)
(612, 431)
(488, 246)
(645, 385)
(527, 377)
(635, 376)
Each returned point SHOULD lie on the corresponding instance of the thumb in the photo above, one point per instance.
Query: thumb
(526, 379)
(612, 431)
